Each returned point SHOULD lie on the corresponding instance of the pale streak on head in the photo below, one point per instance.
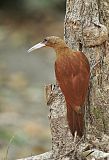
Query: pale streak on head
(37, 46)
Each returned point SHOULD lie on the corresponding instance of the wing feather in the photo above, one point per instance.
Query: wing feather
(73, 76)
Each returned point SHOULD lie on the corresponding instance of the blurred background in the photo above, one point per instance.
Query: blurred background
(24, 125)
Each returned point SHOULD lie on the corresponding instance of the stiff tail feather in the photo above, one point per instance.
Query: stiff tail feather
(75, 121)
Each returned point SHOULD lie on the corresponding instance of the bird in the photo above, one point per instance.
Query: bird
(72, 71)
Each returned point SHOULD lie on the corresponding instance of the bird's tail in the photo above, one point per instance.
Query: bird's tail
(75, 121)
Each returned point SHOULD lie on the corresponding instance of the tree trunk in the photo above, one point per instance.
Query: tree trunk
(86, 29)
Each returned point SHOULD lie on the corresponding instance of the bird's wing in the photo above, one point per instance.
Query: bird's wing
(73, 78)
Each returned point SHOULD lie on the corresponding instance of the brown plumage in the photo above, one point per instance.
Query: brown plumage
(72, 74)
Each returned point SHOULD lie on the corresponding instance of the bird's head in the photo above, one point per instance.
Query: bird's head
(52, 41)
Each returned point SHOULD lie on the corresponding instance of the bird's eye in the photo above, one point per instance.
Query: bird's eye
(45, 40)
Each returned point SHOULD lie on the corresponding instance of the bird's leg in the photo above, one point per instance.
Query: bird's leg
(49, 93)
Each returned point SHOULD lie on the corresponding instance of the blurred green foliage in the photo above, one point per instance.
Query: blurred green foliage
(13, 4)
(33, 5)
(19, 139)
(43, 4)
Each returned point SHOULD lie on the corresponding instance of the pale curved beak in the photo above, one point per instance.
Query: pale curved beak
(37, 46)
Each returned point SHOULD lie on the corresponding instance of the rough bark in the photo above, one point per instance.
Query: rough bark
(86, 29)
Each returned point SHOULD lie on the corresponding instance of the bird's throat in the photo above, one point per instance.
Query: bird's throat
(60, 51)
